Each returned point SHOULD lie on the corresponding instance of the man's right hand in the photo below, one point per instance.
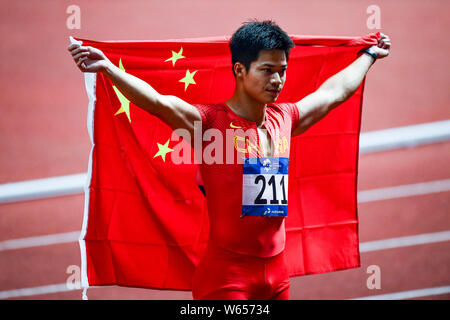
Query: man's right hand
(88, 59)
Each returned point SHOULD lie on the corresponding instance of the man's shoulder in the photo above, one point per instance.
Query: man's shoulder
(283, 107)
(209, 111)
(209, 106)
(286, 110)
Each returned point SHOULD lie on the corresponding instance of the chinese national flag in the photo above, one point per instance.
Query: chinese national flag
(146, 222)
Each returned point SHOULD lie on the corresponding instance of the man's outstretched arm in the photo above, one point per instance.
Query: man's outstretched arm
(173, 111)
(338, 88)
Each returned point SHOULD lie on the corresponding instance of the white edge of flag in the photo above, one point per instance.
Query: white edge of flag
(90, 81)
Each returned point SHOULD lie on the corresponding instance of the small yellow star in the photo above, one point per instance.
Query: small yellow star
(176, 56)
(163, 149)
(124, 102)
(188, 79)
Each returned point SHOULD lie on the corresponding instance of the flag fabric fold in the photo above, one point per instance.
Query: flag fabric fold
(146, 221)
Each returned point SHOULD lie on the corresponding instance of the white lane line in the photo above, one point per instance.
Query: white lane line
(404, 191)
(373, 141)
(368, 246)
(74, 184)
(42, 188)
(363, 196)
(364, 247)
(401, 137)
(37, 241)
(409, 294)
(424, 238)
(62, 287)
(33, 291)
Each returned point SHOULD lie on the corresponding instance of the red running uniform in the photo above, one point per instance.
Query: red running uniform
(247, 201)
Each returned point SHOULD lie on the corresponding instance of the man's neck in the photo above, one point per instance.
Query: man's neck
(247, 108)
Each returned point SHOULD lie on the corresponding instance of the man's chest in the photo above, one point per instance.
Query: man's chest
(265, 142)
(246, 139)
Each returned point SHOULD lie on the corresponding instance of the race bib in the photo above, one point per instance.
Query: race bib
(265, 187)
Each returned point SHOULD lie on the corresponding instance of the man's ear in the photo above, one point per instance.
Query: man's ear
(239, 69)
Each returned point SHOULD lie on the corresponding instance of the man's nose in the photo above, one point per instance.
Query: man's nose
(275, 79)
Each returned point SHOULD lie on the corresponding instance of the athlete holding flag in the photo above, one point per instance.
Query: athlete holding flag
(247, 199)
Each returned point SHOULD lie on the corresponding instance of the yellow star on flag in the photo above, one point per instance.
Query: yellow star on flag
(176, 56)
(188, 79)
(124, 102)
(163, 149)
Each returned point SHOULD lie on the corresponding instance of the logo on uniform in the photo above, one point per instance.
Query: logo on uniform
(234, 127)
(267, 164)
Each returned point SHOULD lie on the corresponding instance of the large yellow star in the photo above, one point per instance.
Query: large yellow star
(163, 149)
(124, 102)
(176, 56)
(188, 79)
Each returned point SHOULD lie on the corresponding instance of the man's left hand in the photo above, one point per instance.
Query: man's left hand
(383, 47)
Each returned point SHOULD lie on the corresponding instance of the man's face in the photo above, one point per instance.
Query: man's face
(266, 76)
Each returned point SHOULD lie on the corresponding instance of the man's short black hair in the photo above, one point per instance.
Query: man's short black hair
(254, 36)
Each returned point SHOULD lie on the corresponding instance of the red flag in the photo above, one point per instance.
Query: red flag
(146, 222)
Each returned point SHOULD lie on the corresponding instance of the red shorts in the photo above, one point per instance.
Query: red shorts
(225, 275)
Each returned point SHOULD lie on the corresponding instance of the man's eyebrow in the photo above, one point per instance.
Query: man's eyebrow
(272, 65)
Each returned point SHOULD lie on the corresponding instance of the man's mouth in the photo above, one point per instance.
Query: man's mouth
(274, 92)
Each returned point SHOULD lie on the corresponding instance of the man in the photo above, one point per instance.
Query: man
(247, 199)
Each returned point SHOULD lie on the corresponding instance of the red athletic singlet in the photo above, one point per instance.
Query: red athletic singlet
(246, 198)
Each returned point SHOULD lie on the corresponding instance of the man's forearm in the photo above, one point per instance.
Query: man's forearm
(134, 89)
(348, 80)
